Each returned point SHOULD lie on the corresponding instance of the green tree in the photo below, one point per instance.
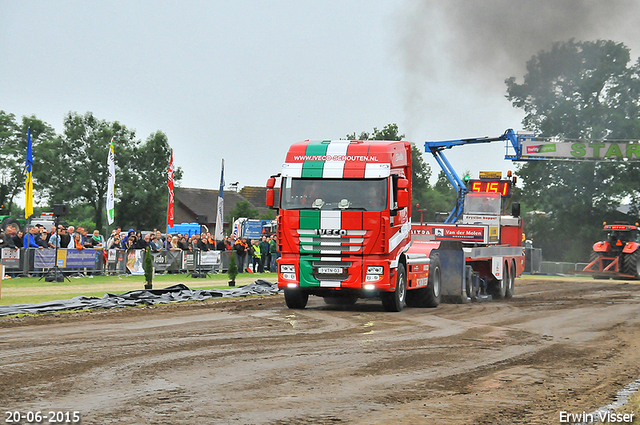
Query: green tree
(72, 169)
(9, 157)
(143, 186)
(74, 166)
(578, 90)
(243, 209)
(13, 152)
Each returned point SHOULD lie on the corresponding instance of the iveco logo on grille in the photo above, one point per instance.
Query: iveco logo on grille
(331, 232)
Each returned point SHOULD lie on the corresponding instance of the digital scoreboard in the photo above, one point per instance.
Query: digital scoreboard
(503, 187)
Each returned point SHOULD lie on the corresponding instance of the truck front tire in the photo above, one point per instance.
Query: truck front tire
(394, 301)
(295, 298)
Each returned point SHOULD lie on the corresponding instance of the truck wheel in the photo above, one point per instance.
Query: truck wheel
(500, 286)
(429, 296)
(512, 281)
(435, 279)
(394, 301)
(632, 264)
(471, 290)
(295, 298)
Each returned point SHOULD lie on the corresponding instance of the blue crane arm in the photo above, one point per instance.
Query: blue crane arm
(436, 149)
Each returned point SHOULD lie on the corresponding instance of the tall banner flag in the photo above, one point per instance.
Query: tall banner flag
(170, 184)
(111, 185)
(28, 207)
(219, 234)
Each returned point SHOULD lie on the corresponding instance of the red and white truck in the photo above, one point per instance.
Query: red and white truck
(345, 232)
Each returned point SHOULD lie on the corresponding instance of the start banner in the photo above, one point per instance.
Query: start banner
(629, 151)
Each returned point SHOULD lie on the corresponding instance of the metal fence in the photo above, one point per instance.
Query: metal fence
(553, 267)
(34, 261)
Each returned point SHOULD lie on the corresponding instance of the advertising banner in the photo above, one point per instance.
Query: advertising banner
(76, 258)
(68, 258)
(452, 232)
(209, 258)
(582, 150)
(11, 258)
(188, 260)
(166, 260)
(135, 261)
(43, 258)
(116, 261)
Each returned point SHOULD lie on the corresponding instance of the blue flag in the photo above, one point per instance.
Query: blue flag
(28, 207)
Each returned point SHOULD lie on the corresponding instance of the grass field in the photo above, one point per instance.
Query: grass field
(26, 290)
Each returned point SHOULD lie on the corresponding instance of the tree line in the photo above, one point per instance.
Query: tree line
(71, 168)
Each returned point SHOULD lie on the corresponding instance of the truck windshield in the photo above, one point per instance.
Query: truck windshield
(482, 203)
(334, 194)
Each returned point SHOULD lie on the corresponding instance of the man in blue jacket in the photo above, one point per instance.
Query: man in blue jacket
(29, 238)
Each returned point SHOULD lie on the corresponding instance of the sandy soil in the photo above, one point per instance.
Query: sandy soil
(558, 345)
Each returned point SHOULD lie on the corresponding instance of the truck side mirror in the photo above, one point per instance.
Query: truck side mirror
(270, 197)
(402, 195)
(271, 182)
(402, 199)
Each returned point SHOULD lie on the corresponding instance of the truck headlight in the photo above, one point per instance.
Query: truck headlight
(287, 268)
(375, 270)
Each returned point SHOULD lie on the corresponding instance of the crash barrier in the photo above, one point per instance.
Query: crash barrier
(36, 261)
(552, 267)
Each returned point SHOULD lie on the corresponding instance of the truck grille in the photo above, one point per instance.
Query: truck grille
(349, 242)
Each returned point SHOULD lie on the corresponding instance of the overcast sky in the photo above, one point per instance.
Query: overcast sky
(242, 80)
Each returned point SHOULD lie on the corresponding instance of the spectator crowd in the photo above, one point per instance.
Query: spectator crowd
(255, 255)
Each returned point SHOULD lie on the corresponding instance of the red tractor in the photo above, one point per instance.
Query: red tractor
(619, 255)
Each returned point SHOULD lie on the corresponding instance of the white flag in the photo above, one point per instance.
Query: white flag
(111, 184)
(219, 234)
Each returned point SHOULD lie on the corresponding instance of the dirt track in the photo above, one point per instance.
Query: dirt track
(560, 344)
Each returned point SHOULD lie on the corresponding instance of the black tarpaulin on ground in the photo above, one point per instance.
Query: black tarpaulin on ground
(172, 294)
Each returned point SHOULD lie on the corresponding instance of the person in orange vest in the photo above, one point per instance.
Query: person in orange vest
(240, 248)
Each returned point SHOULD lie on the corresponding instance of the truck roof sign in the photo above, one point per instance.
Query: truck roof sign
(344, 159)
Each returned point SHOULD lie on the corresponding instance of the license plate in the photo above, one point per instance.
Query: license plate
(330, 270)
